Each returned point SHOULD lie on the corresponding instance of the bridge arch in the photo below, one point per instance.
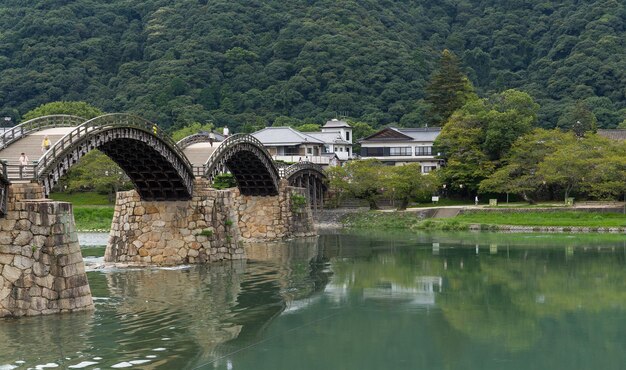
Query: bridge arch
(201, 137)
(249, 162)
(156, 166)
(309, 176)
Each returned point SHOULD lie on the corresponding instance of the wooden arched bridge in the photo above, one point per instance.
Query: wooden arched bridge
(160, 168)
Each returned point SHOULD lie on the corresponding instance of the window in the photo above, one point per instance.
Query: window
(423, 150)
(309, 151)
(372, 152)
(291, 150)
(427, 169)
(400, 151)
(348, 136)
(341, 149)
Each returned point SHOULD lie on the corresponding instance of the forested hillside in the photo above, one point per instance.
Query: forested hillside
(258, 62)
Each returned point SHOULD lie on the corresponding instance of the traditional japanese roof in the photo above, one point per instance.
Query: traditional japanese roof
(279, 136)
(422, 134)
(335, 123)
(615, 134)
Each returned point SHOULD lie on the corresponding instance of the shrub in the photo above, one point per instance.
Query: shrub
(224, 181)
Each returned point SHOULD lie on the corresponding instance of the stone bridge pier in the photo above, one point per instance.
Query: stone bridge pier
(41, 267)
(212, 226)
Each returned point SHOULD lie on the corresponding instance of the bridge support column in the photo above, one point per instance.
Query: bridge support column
(200, 230)
(41, 267)
(212, 226)
(275, 217)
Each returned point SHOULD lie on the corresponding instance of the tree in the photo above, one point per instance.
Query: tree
(192, 129)
(459, 145)
(308, 127)
(519, 174)
(75, 108)
(407, 182)
(359, 179)
(511, 114)
(606, 178)
(578, 119)
(96, 172)
(449, 89)
(571, 162)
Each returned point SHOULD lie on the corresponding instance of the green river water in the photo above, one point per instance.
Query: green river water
(351, 301)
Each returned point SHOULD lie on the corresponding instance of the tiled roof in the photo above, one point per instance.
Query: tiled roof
(427, 134)
(334, 123)
(273, 136)
(328, 137)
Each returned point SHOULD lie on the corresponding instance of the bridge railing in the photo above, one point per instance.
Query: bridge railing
(229, 142)
(15, 171)
(287, 172)
(199, 171)
(103, 123)
(201, 137)
(36, 124)
(4, 188)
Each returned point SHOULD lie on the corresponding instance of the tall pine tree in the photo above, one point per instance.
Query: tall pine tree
(448, 90)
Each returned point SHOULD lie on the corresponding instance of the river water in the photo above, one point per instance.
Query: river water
(351, 301)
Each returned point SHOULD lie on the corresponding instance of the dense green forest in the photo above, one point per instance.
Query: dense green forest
(263, 62)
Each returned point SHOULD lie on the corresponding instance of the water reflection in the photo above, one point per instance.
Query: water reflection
(376, 301)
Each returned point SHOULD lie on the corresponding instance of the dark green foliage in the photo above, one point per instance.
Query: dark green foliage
(75, 108)
(224, 181)
(448, 90)
(578, 119)
(245, 64)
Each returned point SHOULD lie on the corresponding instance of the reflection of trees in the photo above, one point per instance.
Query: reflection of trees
(500, 297)
(505, 298)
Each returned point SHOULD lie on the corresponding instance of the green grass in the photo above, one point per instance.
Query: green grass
(83, 199)
(93, 217)
(556, 218)
(399, 221)
(92, 211)
(488, 220)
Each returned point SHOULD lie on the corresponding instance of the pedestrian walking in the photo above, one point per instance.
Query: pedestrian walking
(23, 162)
(225, 132)
(211, 137)
(476, 200)
(45, 144)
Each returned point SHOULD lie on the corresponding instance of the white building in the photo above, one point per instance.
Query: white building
(399, 146)
(337, 138)
(331, 146)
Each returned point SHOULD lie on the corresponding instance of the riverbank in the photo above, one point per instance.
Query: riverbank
(596, 218)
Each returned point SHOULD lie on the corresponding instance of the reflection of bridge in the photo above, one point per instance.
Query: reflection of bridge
(159, 168)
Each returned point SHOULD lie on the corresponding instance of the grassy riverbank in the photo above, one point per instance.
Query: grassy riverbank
(409, 220)
(92, 211)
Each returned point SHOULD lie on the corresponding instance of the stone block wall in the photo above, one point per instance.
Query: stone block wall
(169, 233)
(212, 226)
(274, 218)
(41, 267)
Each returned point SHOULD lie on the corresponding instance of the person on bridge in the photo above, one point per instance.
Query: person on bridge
(211, 137)
(225, 132)
(23, 162)
(45, 144)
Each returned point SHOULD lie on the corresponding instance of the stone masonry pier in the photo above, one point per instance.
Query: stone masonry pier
(41, 267)
(212, 226)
